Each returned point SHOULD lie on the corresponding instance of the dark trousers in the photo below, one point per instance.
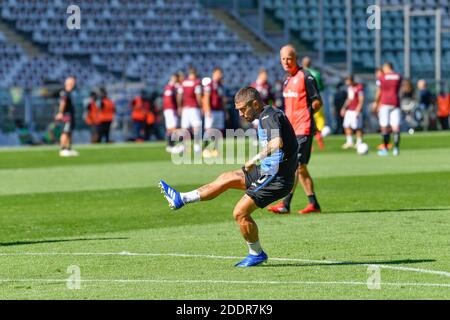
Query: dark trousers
(140, 129)
(339, 121)
(444, 122)
(103, 131)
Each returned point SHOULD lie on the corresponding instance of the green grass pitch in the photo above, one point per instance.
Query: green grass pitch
(103, 213)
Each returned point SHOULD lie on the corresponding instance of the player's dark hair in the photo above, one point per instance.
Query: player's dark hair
(103, 92)
(263, 70)
(247, 94)
(217, 69)
(192, 70)
(389, 64)
(308, 61)
(350, 77)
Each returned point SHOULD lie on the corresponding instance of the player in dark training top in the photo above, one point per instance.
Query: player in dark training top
(66, 116)
(273, 179)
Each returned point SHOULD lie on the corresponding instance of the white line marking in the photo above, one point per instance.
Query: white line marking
(139, 281)
(184, 255)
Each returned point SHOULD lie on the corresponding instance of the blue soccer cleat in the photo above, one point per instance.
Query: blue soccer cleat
(171, 195)
(383, 152)
(252, 260)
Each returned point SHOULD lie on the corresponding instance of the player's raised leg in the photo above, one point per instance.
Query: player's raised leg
(227, 180)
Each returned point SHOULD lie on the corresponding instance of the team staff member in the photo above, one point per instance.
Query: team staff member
(139, 112)
(443, 111)
(387, 105)
(92, 116)
(302, 100)
(107, 111)
(264, 183)
(213, 108)
(66, 115)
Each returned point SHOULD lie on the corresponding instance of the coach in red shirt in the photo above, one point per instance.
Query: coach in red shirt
(302, 99)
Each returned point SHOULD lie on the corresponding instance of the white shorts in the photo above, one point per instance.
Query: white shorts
(352, 120)
(216, 121)
(389, 116)
(191, 118)
(171, 119)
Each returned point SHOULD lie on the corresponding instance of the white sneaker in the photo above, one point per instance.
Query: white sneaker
(207, 153)
(169, 149)
(74, 153)
(346, 146)
(64, 153)
(178, 149)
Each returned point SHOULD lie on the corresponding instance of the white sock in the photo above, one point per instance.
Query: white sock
(349, 139)
(254, 248)
(358, 140)
(190, 197)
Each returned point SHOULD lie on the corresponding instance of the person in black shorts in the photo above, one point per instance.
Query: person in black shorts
(66, 116)
(267, 177)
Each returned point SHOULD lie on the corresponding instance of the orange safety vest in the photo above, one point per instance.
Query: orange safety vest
(443, 103)
(93, 116)
(138, 112)
(107, 111)
(151, 117)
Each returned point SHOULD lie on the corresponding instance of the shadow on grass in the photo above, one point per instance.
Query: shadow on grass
(388, 210)
(21, 243)
(345, 263)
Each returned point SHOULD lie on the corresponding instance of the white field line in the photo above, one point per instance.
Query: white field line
(183, 255)
(206, 281)
(82, 147)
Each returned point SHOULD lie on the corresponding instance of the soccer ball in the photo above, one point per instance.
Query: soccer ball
(362, 149)
(326, 131)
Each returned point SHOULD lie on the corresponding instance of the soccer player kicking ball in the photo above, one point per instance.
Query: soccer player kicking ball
(264, 183)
